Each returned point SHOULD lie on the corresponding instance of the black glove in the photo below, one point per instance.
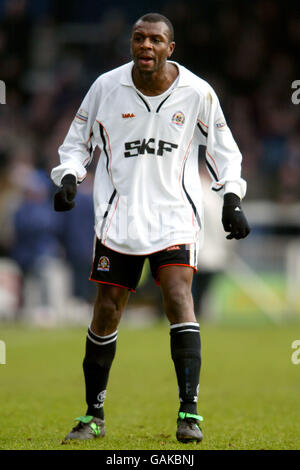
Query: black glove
(233, 218)
(63, 198)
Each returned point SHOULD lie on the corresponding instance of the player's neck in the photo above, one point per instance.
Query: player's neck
(156, 83)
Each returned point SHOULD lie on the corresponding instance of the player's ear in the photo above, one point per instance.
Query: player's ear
(171, 48)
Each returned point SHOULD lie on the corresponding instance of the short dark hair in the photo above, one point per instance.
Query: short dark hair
(156, 18)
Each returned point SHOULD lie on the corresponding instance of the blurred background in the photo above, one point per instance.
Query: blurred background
(50, 54)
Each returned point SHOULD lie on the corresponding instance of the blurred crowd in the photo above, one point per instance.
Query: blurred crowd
(52, 51)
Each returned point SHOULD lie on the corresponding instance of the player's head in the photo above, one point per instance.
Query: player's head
(157, 18)
(152, 42)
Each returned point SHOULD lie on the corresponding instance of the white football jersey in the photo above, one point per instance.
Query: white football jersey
(147, 190)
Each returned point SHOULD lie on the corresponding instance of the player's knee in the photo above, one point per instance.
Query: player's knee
(107, 315)
(178, 297)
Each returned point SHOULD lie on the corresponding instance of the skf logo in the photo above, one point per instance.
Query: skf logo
(136, 148)
(128, 115)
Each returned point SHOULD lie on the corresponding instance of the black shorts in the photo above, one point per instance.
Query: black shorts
(111, 267)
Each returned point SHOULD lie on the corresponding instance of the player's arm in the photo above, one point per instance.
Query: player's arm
(76, 152)
(223, 161)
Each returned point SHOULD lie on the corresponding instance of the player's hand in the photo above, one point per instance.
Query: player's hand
(233, 218)
(63, 198)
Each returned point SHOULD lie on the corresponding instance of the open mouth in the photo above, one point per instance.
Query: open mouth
(145, 60)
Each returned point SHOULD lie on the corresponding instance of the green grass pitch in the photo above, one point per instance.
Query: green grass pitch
(249, 389)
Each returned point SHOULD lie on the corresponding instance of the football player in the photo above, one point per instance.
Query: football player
(148, 117)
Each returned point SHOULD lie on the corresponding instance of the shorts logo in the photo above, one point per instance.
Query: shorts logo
(178, 118)
(104, 264)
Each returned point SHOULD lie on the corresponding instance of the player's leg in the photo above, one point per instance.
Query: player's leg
(173, 270)
(117, 275)
(101, 343)
(175, 282)
(100, 350)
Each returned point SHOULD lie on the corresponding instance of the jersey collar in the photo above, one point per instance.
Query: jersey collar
(126, 77)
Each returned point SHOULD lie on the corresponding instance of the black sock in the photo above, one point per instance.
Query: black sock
(186, 355)
(99, 354)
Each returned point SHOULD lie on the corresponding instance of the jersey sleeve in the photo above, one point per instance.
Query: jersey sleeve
(76, 152)
(222, 157)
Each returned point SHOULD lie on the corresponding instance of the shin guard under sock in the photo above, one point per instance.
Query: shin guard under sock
(186, 355)
(99, 355)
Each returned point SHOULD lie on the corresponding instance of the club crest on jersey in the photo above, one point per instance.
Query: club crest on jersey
(178, 118)
(103, 264)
